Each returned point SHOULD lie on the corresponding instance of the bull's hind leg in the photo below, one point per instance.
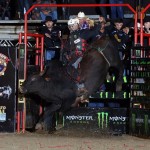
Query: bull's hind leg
(119, 78)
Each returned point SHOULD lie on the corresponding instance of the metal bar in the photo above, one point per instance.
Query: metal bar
(23, 120)
(18, 121)
(42, 54)
(20, 38)
(25, 42)
(37, 51)
(135, 29)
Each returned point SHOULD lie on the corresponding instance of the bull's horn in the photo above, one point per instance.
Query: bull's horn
(47, 79)
(43, 72)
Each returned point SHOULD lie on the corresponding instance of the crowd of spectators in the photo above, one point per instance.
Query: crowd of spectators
(10, 10)
(13, 10)
(19, 7)
(4, 9)
(40, 13)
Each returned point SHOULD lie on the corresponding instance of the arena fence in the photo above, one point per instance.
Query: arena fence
(26, 35)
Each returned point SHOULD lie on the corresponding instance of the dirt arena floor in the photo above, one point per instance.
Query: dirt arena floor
(71, 140)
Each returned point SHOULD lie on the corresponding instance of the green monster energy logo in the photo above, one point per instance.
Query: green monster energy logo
(63, 121)
(22, 50)
(21, 53)
(102, 119)
(125, 79)
(138, 53)
(113, 95)
(146, 123)
(103, 94)
(125, 95)
(133, 122)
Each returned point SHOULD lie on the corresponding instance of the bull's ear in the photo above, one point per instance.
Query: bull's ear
(47, 79)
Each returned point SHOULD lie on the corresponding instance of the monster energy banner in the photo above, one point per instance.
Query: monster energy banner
(140, 61)
(140, 74)
(114, 119)
(140, 87)
(7, 89)
(142, 99)
(140, 122)
(112, 95)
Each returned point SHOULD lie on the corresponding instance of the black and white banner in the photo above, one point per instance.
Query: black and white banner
(8, 57)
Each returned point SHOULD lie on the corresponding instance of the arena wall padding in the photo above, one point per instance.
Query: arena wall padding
(113, 120)
(8, 57)
(140, 122)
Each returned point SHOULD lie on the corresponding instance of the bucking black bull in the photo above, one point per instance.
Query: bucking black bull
(59, 91)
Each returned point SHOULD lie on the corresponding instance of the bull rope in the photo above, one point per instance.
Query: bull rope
(100, 50)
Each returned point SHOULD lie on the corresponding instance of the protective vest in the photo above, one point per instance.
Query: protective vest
(81, 46)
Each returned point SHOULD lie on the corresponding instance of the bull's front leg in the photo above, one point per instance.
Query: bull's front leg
(48, 122)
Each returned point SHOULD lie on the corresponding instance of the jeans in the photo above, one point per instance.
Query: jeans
(116, 12)
(49, 55)
(53, 14)
(75, 65)
(103, 9)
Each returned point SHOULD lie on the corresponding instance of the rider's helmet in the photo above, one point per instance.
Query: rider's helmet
(73, 21)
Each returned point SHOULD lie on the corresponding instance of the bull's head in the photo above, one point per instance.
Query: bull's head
(34, 83)
(30, 84)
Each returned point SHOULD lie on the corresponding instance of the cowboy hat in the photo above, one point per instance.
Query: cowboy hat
(48, 18)
(81, 15)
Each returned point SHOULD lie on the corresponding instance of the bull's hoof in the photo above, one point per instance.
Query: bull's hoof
(84, 100)
(39, 126)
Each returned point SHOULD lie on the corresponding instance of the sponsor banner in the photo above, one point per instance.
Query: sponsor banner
(119, 120)
(113, 119)
(140, 74)
(111, 95)
(81, 117)
(140, 122)
(2, 113)
(140, 87)
(7, 89)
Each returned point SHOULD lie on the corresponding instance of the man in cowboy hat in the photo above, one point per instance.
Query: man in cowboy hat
(82, 20)
(52, 39)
